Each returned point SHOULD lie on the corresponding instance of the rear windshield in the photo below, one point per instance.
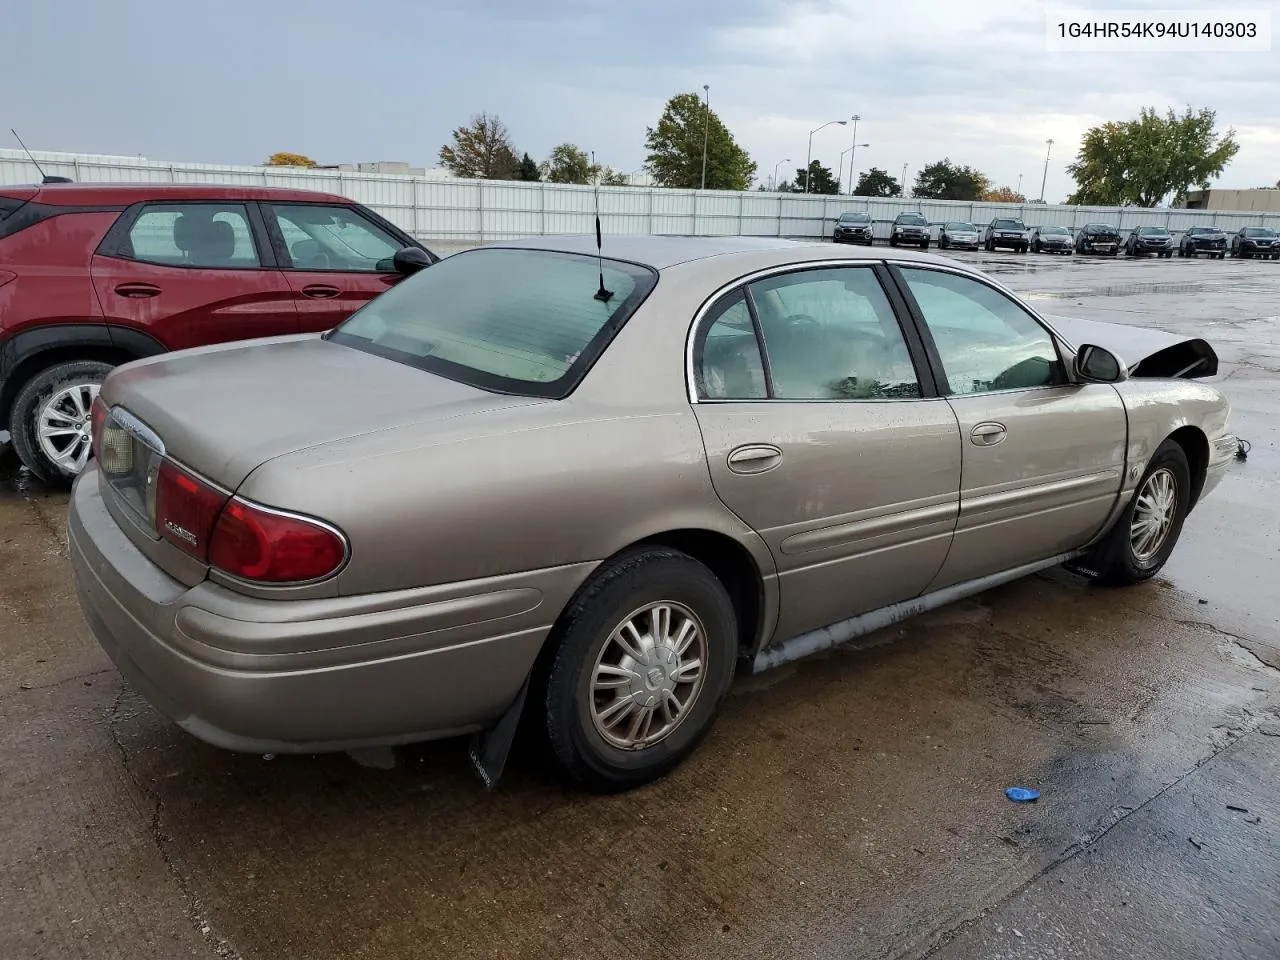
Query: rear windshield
(522, 322)
(1258, 232)
(855, 217)
(1153, 231)
(912, 218)
(1054, 230)
(1009, 225)
(955, 226)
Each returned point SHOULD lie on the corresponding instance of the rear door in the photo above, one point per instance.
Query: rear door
(193, 273)
(824, 434)
(1043, 458)
(336, 258)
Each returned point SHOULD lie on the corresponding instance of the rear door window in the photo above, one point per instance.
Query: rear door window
(203, 235)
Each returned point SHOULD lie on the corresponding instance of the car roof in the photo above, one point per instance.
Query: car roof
(661, 253)
(84, 194)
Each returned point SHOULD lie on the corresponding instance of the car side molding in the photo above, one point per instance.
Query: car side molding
(824, 638)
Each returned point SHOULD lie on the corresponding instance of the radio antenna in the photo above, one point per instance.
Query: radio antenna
(602, 294)
(39, 169)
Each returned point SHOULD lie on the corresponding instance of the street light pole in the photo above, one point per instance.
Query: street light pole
(706, 132)
(853, 149)
(1046, 168)
(809, 159)
(904, 180)
(1019, 188)
(775, 172)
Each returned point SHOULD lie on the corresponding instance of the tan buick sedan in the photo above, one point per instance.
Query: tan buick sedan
(528, 482)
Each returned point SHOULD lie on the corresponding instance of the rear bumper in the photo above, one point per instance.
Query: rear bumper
(268, 676)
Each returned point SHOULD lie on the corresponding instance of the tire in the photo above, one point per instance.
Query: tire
(622, 589)
(893, 241)
(925, 245)
(59, 385)
(1114, 561)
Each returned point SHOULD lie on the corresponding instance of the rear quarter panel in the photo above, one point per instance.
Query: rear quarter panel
(51, 260)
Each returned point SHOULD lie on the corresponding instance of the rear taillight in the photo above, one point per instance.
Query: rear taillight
(97, 420)
(186, 509)
(267, 546)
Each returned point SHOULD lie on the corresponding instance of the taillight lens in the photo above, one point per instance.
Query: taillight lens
(186, 509)
(253, 543)
(97, 420)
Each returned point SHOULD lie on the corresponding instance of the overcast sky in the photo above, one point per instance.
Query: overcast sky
(231, 81)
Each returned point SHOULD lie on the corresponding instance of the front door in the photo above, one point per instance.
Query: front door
(819, 436)
(336, 259)
(192, 274)
(1043, 458)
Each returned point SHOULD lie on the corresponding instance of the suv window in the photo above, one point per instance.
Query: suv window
(1008, 225)
(831, 334)
(1258, 232)
(1054, 230)
(914, 219)
(525, 322)
(855, 217)
(1153, 232)
(726, 357)
(956, 226)
(332, 238)
(985, 341)
(209, 235)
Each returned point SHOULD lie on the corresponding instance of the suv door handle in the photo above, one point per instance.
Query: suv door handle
(320, 291)
(754, 458)
(988, 434)
(137, 291)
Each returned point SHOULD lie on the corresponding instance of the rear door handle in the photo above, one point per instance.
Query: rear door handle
(988, 434)
(320, 291)
(137, 291)
(754, 458)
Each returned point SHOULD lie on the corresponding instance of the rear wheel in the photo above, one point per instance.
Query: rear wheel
(50, 422)
(644, 658)
(1146, 533)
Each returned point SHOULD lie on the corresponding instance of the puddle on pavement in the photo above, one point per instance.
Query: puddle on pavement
(16, 481)
(1118, 290)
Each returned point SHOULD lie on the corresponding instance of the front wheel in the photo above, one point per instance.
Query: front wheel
(644, 657)
(924, 245)
(50, 421)
(1144, 537)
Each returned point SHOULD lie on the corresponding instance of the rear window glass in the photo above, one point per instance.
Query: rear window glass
(512, 321)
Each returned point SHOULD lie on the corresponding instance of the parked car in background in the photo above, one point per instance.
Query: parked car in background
(532, 483)
(1256, 242)
(911, 229)
(1144, 240)
(95, 275)
(1207, 240)
(1098, 238)
(854, 227)
(1051, 238)
(958, 235)
(1006, 232)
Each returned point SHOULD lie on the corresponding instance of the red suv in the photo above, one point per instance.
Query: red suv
(95, 275)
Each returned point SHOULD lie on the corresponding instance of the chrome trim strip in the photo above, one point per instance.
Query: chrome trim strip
(824, 638)
(136, 427)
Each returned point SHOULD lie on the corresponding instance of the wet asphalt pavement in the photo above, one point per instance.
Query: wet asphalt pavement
(847, 806)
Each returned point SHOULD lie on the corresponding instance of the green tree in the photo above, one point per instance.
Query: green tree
(528, 170)
(481, 150)
(675, 148)
(877, 183)
(944, 180)
(286, 159)
(606, 176)
(824, 181)
(1142, 162)
(568, 164)
(1003, 195)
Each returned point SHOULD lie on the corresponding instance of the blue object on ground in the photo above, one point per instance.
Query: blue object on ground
(1022, 795)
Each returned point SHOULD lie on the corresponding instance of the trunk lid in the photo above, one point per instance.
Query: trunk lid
(221, 411)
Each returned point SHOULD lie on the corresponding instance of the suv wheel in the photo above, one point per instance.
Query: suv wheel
(644, 659)
(50, 421)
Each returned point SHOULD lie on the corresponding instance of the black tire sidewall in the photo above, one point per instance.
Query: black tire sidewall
(32, 397)
(623, 585)
(1121, 567)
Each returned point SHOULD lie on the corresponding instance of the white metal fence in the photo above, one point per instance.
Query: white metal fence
(477, 211)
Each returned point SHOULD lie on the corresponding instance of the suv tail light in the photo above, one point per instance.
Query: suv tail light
(266, 546)
(186, 509)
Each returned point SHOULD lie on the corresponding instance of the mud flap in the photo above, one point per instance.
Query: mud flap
(489, 748)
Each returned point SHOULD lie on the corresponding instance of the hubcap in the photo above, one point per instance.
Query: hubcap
(1153, 515)
(648, 675)
(63, 427)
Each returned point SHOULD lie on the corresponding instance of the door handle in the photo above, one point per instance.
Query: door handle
(754, 458)
(320, 291)
(137, 291)
(988, 434)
